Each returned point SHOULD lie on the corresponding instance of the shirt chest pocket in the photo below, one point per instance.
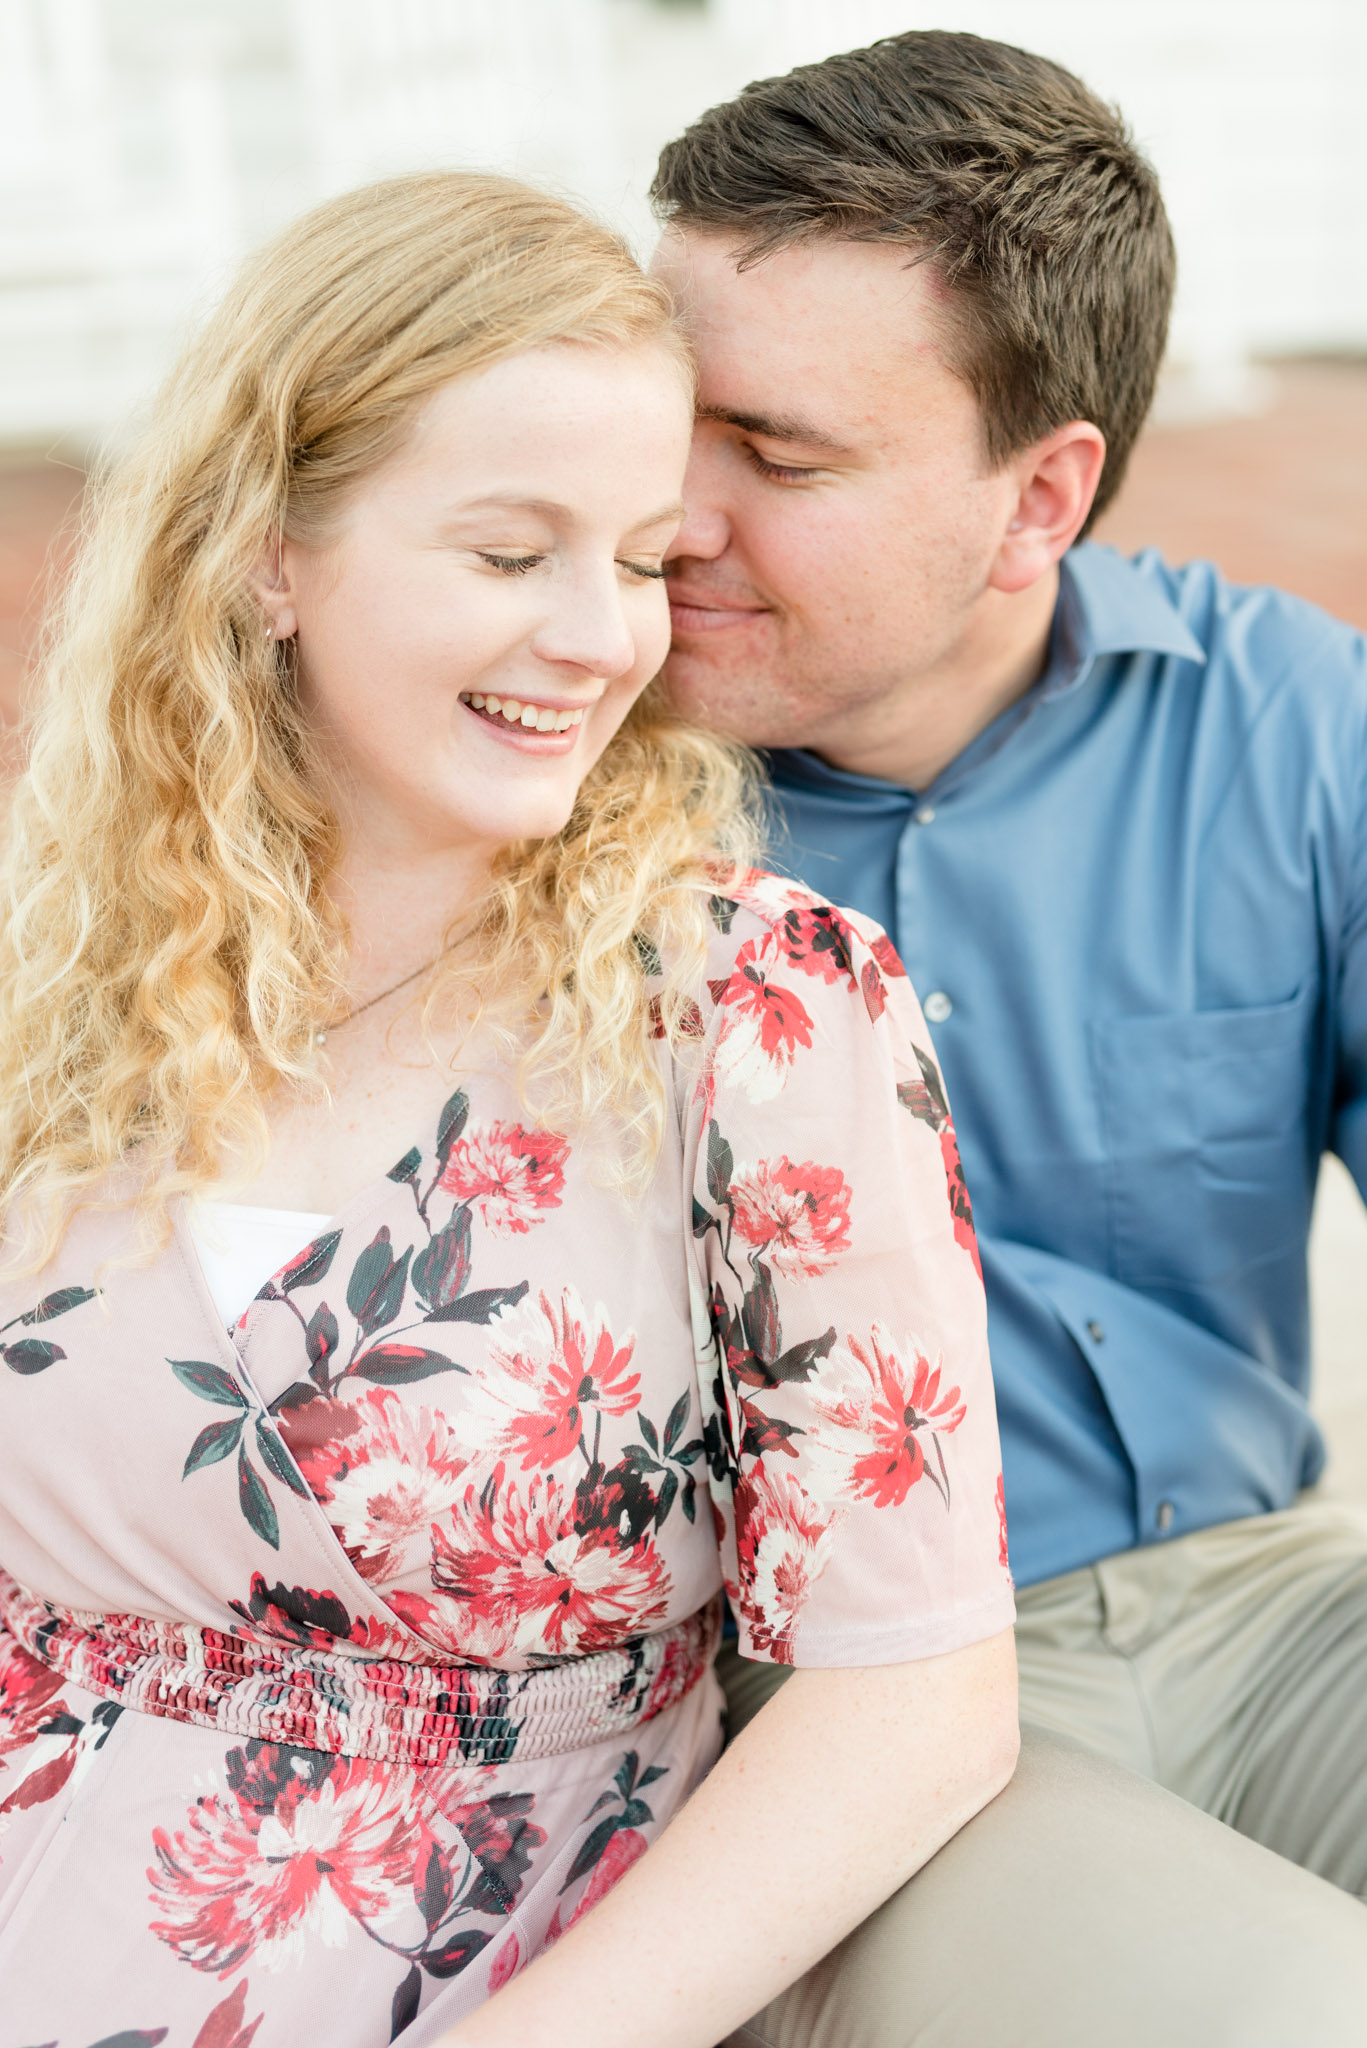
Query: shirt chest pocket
(1203, 1122)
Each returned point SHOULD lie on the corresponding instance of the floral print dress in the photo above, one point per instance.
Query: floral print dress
(348, 1656)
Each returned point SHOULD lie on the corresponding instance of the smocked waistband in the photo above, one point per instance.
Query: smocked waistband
(419, 1714)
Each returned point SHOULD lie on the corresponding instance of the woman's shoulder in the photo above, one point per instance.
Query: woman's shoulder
(764, 921)
(792, 981)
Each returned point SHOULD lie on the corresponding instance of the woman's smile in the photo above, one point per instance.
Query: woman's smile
(530, 725)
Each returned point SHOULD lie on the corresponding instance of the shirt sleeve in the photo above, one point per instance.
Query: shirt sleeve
(850, 1429)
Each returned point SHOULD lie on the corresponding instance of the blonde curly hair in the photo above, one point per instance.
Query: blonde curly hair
(169, 948)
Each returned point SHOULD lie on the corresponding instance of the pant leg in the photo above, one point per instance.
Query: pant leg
(1074, 1680)
(1230, 1666)
(1247, 1646)
(1087, 1908)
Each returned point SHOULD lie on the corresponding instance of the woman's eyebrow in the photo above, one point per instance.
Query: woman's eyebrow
(661, 518)
(550, 509)
(513, 501)
(776, 426)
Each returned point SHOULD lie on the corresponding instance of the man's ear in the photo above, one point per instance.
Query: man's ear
(269, 582)
(1056, 482)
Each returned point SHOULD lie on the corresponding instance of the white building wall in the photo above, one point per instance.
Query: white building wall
(145, 143)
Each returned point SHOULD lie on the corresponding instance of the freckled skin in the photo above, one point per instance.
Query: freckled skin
(899, 586)
(406, 607)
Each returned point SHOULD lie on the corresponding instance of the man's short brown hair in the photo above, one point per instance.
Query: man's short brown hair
(1023, 188)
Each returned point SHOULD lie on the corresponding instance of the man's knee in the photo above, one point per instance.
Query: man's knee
(1085, 1905)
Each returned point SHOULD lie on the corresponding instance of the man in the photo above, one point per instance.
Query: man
(1114, 815)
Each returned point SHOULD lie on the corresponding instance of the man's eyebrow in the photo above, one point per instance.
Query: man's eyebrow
(776, 426)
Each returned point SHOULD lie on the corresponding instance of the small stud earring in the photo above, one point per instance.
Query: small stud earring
(270, 634)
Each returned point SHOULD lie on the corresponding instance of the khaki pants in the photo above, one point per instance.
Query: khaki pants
(1099, 1902)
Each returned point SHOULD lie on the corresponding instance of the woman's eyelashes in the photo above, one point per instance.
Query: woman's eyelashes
(519, 565)
(510, 565)
(779, 472)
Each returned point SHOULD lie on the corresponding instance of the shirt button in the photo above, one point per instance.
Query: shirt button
(1096, 1333)
(924, 814)
(937, 1006)
(1164, 1516)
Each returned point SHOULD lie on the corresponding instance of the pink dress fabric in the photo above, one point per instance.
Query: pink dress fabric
(349, 1655)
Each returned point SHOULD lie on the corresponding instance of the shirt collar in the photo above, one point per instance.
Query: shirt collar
(1106, 605)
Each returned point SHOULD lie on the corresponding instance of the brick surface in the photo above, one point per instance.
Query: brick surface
(1279, 498)
(39, 504)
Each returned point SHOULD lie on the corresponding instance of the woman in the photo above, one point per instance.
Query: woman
(458, 1217)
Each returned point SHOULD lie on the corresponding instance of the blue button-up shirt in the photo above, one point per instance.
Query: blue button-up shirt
(1135, 910)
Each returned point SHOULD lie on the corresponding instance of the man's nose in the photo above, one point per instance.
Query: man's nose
(706, 530)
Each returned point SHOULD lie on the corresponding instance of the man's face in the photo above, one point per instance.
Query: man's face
(843, 522)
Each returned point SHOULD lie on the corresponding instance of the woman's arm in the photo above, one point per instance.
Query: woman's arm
(842, 1786)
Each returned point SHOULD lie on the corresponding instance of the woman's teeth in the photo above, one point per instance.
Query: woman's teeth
(526, 715)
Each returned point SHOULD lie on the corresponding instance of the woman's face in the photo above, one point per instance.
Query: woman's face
(476, 631)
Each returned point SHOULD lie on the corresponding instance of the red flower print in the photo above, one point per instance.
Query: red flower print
(315, 1620)
(874, 1407)
(763, 1026)
(624, 1849)
(509, 1175)
(441, 1623)
(227, 2025)
(816, 938)
(382, 1638)
(798, 1216)
(888, 957)
(264, 1881)
(688, 1020)
(959, 1205)
(497, 1834)
(769, 894)
(506, 1964)
(874, 992)
(926, 1100)
(783, 1544)
(40, 1742)
(610, 1848)
(885, 966)
(551, 1363)
(1003, 1558)
(384, 1470)
(535, 1584)
(28, 1690)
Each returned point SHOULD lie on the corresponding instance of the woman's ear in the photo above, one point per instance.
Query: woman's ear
(1057, 480)
(269, 583)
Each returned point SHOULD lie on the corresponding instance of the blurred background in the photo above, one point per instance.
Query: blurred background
(144, 144)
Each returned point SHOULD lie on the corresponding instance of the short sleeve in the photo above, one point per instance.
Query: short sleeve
(850, 1429)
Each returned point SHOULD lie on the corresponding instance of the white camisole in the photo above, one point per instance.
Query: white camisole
(240, 1247)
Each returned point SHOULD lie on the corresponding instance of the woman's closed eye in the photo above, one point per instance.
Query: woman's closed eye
(519, 565)
(510, 565)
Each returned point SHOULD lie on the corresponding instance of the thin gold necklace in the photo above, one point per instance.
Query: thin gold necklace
(321, 1037)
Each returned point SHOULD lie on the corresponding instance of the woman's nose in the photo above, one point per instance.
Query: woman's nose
(589, 630)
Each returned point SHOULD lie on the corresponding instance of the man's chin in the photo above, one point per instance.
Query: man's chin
(702, 692)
